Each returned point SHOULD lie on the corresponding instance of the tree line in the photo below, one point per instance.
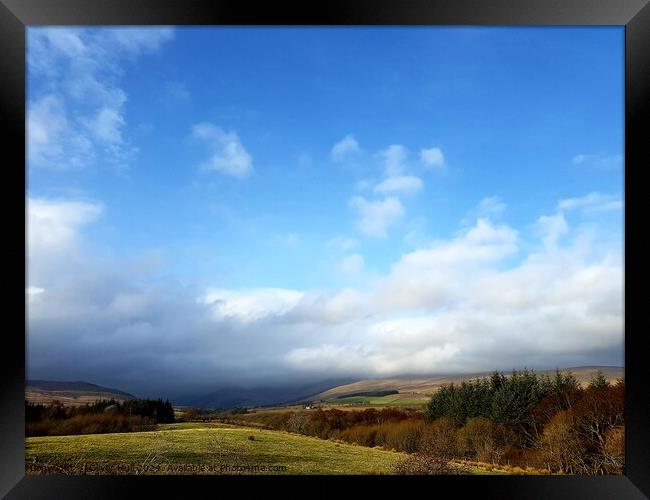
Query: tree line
(550, 422)
(102, 416)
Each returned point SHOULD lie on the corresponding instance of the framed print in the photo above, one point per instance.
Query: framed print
(360, 243)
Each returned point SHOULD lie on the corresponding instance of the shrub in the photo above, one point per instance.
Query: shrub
(364, 435)
(420, 464)
(479, 439)
(439, 438)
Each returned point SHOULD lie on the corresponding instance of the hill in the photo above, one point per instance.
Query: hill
(229, 397)
(425, 386)
(199, 448)
(70, 393)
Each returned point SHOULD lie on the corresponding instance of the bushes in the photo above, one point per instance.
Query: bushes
(403, 436)
(297, 423)
(421, 464)
(588, 438)
(440, 438)
(92, 423)
(362, 434)
(479, 439)
(389, 427)
(99, 417)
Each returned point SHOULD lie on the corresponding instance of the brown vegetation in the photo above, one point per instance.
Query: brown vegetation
(100, 417)
(524, 423)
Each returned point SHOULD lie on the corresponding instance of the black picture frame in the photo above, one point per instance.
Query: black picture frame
(634, 15)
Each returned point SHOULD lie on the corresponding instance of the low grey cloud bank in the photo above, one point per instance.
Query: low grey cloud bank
(485, 299)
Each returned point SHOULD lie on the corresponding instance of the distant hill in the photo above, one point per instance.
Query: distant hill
(70, 393)
(229, 397)
(429, 385)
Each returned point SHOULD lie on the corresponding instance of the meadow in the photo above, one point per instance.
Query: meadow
(203, 448)
(389, 400)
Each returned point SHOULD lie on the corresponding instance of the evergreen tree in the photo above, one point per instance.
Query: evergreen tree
(598, 381)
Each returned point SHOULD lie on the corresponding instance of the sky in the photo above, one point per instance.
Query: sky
(235, 206)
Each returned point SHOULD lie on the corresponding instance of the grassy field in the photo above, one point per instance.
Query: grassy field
(198, 448)
(389, 400)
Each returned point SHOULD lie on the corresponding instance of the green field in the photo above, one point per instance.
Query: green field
(203, 449)
(389, 400)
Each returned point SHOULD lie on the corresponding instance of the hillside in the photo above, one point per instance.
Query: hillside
(425, 386)
(228, 397)
(70, 393)
(195, 448)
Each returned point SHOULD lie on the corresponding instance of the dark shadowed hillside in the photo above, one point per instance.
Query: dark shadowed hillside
(229, 397)
(70, 393)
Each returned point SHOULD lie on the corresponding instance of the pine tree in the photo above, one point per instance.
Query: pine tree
(598, 381)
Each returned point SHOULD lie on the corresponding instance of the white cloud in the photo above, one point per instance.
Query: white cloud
(345, 148)
(251, 305)
(406, 184)
(428, 276)
(51, 140)
(53, 225)
(335, 308)
(451, 307)
(457, 304)
(352, 265)
(432, 157)
(598, 161)
(136, 40)
(34, 293)
(77, 113)
(593, 202)
(490, 207)
(55, 249)
(396, 180)
(361, 358)
(376, 217)
(106, 126)
(552, 228)
(395, 157)
(229, 156)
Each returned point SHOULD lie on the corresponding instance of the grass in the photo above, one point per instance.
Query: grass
(389, 400)
(200, 448)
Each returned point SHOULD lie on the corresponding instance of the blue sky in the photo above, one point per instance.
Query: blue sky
(260, 166)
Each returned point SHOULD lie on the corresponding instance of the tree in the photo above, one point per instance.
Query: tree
(561, 447)
(297, 423)
(614, 450)
(513, 401)
(598, 381)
